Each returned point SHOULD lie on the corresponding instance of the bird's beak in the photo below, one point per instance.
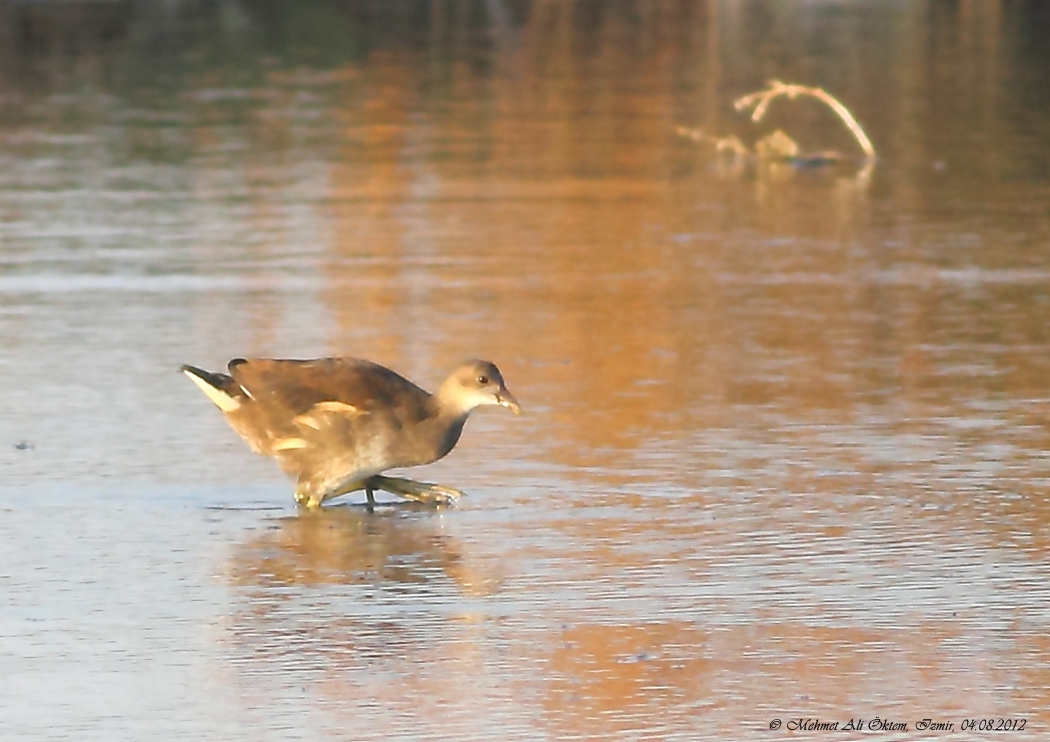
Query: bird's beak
(506, 399)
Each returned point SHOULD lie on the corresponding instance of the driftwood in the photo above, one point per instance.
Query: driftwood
(760, 102)
(778, 145)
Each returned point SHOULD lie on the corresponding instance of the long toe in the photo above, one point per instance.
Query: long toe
(425, 492)
(438, 495)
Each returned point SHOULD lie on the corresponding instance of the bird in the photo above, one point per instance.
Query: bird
(337, 424)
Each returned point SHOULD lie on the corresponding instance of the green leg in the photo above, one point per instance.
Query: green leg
(314, 500)
(424, 492)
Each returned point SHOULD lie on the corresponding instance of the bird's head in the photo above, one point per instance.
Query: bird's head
(476, 383)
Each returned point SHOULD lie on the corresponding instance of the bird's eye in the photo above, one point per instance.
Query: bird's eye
(483, 380)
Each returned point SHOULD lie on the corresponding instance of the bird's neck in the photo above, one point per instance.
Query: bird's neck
(452, 429)
(443, 428)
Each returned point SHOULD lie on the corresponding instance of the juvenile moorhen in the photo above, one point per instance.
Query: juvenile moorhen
(336, 424)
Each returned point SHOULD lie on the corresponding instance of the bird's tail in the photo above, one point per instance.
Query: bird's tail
(221, 389)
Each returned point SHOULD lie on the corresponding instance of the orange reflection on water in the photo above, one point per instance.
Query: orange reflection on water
(784, 445)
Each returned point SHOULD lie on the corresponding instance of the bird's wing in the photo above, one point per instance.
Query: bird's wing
(328, 419)
(348, 386)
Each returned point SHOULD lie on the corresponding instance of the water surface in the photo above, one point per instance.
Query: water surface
(785, 450)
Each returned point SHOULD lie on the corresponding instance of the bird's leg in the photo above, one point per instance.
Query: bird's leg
(312, 499)
(425, 492)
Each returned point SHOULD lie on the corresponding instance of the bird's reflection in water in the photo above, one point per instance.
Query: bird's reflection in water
(345, 544)
(346, 588)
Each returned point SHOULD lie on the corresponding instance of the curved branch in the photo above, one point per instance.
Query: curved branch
(761, 100)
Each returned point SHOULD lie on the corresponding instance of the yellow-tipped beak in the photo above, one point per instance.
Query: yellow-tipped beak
(506, 399)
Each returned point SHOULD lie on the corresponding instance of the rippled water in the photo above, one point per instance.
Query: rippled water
(785, 446)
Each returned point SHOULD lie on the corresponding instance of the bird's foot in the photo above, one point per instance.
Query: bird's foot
(307, 501)
(425, 492)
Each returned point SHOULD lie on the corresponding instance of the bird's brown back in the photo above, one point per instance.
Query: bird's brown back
(292, 387)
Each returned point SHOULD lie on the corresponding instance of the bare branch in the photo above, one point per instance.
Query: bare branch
(761, 100)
